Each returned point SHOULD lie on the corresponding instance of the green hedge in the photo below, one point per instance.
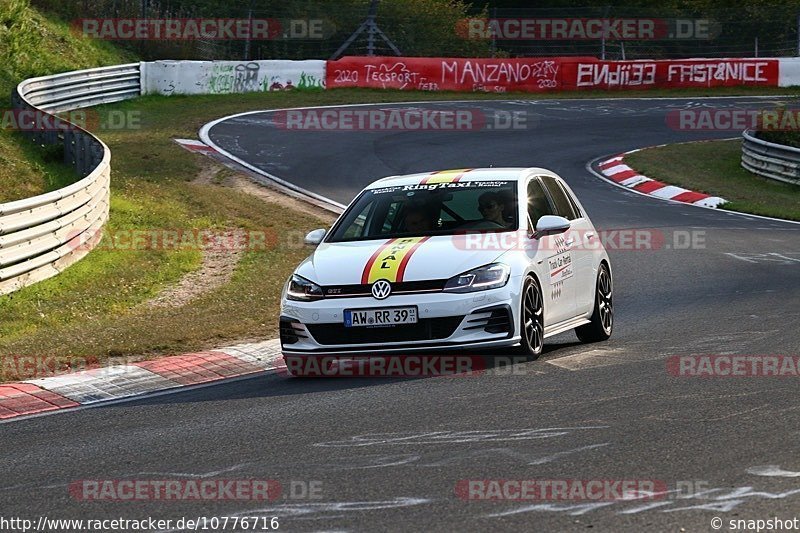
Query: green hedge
(788, 138)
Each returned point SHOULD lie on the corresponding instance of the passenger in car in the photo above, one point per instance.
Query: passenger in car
(418, 219)
(490, 204)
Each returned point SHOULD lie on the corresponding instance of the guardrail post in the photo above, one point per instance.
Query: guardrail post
(33, 128)
(69, 147)
(50, 136)
(81, 154)
(97, 154)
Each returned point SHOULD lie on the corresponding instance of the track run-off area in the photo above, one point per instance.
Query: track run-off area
(389, 454)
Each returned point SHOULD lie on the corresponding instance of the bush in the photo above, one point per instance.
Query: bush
(780, 126)
(787, 138)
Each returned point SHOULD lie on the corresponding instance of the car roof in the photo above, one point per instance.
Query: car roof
(469, 174)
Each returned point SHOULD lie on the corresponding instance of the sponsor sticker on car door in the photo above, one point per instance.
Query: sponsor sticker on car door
(560, 267)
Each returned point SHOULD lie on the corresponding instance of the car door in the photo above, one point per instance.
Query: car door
(580, 240)
(587, 248)
(553, 259)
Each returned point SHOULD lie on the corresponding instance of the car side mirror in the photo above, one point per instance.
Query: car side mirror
(315, 237)
(551, 225)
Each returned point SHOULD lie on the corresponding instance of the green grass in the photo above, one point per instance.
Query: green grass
(32, 44)
(714, 167)
(35, 44)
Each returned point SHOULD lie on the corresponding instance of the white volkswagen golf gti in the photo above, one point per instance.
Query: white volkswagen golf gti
(470, 258)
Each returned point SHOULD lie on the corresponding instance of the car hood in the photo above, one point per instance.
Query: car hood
(411, 259)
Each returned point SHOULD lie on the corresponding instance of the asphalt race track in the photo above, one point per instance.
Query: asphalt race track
(387, 454)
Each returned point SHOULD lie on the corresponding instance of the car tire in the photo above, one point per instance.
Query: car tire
(602, 321)
(531, 320)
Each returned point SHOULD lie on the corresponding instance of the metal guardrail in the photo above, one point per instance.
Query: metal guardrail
(41, 236)
(771, 160)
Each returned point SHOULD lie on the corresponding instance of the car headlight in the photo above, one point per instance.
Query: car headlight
(303, 290)
(480, 279)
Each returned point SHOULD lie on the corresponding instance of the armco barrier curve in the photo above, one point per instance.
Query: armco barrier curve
(37, 234)
(770, 160)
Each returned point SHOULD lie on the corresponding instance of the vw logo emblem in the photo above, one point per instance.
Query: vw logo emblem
(381, 289)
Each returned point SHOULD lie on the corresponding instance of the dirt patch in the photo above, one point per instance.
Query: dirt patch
(216, 270)
(245, 184)
(213, 173)
(219, 263)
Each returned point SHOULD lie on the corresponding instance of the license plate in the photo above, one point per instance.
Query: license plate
(386, 316)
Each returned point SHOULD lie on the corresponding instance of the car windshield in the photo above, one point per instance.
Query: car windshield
(429, 209)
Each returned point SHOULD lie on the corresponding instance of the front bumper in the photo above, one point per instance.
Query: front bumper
(446, 321)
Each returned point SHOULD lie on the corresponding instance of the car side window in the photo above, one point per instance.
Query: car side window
(538, 204)
(572, 201)
(356, 229)
(391, 217)
(563, 206)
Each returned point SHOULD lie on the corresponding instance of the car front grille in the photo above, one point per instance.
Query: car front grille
(291, 331)
(403, 287)
(425, 330)
(491, 320)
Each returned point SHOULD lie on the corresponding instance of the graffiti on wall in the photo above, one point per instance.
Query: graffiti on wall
(226, 78)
